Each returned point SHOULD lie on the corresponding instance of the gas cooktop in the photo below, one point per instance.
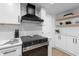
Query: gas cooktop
(33, 40)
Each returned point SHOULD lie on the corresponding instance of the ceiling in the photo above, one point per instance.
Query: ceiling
(57, 8)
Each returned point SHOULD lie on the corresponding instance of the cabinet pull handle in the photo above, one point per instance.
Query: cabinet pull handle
(76, 41)
(73, 40)
(59, 37)
(9, 52)
(18, 18)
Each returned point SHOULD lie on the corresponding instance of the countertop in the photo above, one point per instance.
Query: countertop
(4, 46)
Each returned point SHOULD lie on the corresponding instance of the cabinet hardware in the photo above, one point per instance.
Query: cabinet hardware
(18, 18)
(59, 37)
(73, 40)
(76, 41)
(9, 52)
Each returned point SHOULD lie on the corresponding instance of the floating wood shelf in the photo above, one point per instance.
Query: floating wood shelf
(68, 17)
(70, 25)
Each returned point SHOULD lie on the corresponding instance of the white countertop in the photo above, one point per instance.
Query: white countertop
(10, 45)
(68, 35)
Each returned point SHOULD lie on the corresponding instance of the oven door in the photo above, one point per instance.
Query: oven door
(36, 50)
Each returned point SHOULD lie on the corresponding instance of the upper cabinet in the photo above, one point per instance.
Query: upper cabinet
(9, 13)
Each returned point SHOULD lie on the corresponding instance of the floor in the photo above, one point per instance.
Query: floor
(57, 52)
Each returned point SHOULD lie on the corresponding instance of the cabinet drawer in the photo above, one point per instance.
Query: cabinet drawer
(13, 51)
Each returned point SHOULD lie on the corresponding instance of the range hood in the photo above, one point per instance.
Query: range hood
(30, 16)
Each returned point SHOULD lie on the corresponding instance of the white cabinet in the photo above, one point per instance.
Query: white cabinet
(57, 41)
(67, 43)
(76, 47)
(9, 13)
(11, 51)
(60, 42)
(73, 45)
(70, 45)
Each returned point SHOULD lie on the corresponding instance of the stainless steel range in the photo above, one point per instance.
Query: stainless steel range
(33, 42)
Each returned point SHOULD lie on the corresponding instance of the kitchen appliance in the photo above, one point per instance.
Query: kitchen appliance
(11, 48)
(16, 33)
(33, 42)
(30, 16)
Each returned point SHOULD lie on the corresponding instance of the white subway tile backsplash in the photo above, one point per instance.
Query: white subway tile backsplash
(73, 31)
(7, 31)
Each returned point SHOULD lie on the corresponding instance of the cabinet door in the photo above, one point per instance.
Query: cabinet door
(14, 51)
(9, 12)
(70, 44)
(60, 42)
(76, 47)
(63, 42)
(57, 41)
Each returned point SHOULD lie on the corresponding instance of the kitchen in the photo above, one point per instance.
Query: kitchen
(21, 37)
(39, 29)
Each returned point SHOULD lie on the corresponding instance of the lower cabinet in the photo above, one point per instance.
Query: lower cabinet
(60, 42)
(76, 47)
(11, 51)
(68, 44)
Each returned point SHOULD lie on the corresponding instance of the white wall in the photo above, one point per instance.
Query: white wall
(7, 31)
(48, 28)
(23, 9)
(48, 24)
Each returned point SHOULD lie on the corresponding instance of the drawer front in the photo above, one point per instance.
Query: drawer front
(13, 51)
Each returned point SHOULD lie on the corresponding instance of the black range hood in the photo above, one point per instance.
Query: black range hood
(30, 16)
